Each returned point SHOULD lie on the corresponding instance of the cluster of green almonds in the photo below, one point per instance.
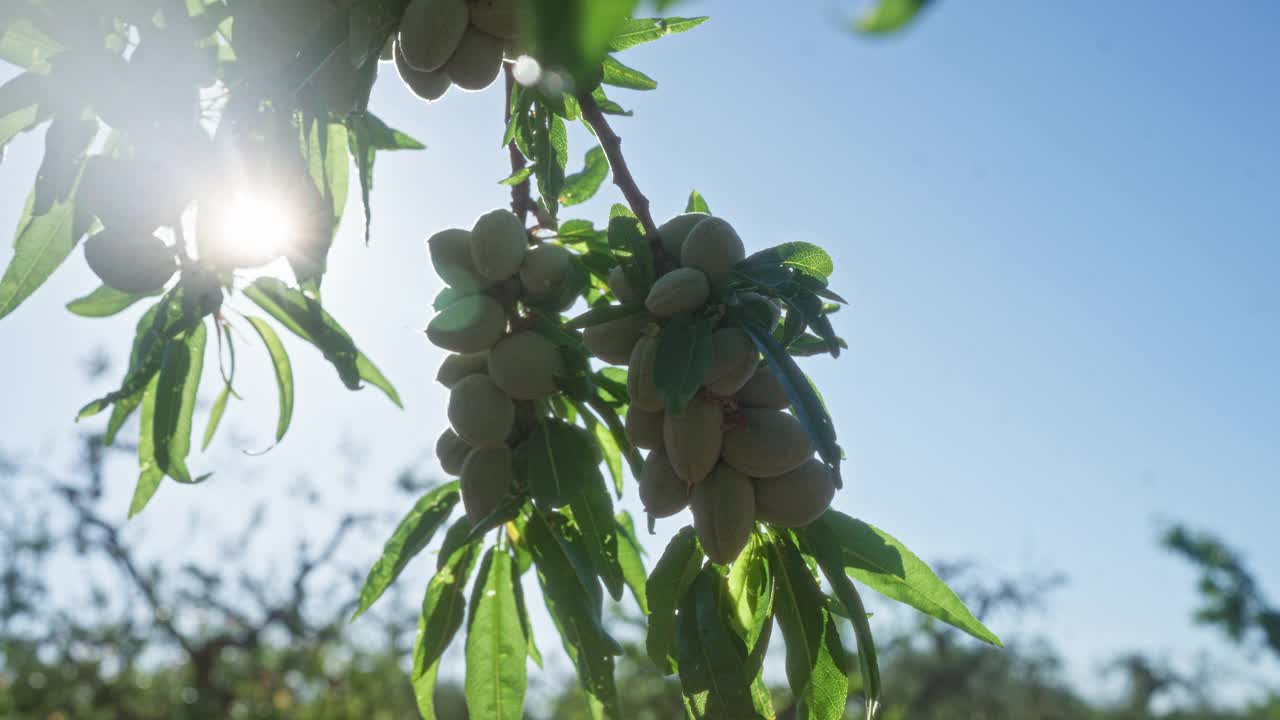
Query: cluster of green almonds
(453, 42)
(497, 374)
(734, 456)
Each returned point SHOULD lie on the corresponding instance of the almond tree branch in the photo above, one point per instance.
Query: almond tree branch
(522, 202)
(622, 177)
(520, 197)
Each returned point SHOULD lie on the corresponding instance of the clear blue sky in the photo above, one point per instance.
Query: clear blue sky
(1058, 225)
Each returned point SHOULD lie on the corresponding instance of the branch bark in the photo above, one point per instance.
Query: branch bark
(611, 143)
(522, 202)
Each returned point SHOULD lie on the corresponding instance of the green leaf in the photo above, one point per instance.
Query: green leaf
(629, 245)
(411, 536)
(806, 404)
(608, 446)
(684, 357)
(592, 510)
(23, 101)
(551, 156)
(620, 75)
(497, 648)
(149, 474)
(104, 302)
(179, 383)
(713, 670)
(155, 329)
(66, 141)
(366, 135)
(815, 659)
(637, 31)
(25, 45)
(443, 612)
(887, 16)
(43, 242)
(750, 588)
(824, 545)
(582, 186)
(424, 690)
(304, 317)
(668, 582)
(556, 462)
(324, 148)
(629, 557)
(215, 416)
(517, 177)
(574, 35)
(607, 106)
(283, 372)
(575, 605)
(697, 203)
(882, 563)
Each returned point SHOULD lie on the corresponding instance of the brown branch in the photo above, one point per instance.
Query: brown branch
(622, 177)
(522, 202)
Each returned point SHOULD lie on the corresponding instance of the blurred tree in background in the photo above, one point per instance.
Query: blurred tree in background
(220, 640)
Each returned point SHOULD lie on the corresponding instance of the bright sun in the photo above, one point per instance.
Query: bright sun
(259, 226)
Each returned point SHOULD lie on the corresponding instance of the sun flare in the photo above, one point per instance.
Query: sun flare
(259, 225)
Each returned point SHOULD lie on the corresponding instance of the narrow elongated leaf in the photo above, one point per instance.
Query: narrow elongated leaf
(443, 612)
(411, 536)
(815, 660)
(522, 563)
(684, 357)
(215, 416)
(697, 203)
(609, 448)
(65, 144)
(592, 510)
(557, 462)
(424, 691)
(551, 156)
(805, 402)
(149, 474)
(628, 243)
(104, 302)
(630, 553)
(575, 605)
(750, 588)
(582, 186)
(887, 16)
(668, 582)
(179, 383)
(825, 546)
(366, 135)
(25, 45)
(42, 244)
(882, 563)
(713, 670)
(497, 649)
(623, 76)
(158, 325)
(637, 31)
(283, 371)
(305, 318)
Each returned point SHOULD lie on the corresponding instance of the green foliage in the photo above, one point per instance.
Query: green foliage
(684, 357)
(294, 136)
(410, 538)
(1230, 597)
(887, 16)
